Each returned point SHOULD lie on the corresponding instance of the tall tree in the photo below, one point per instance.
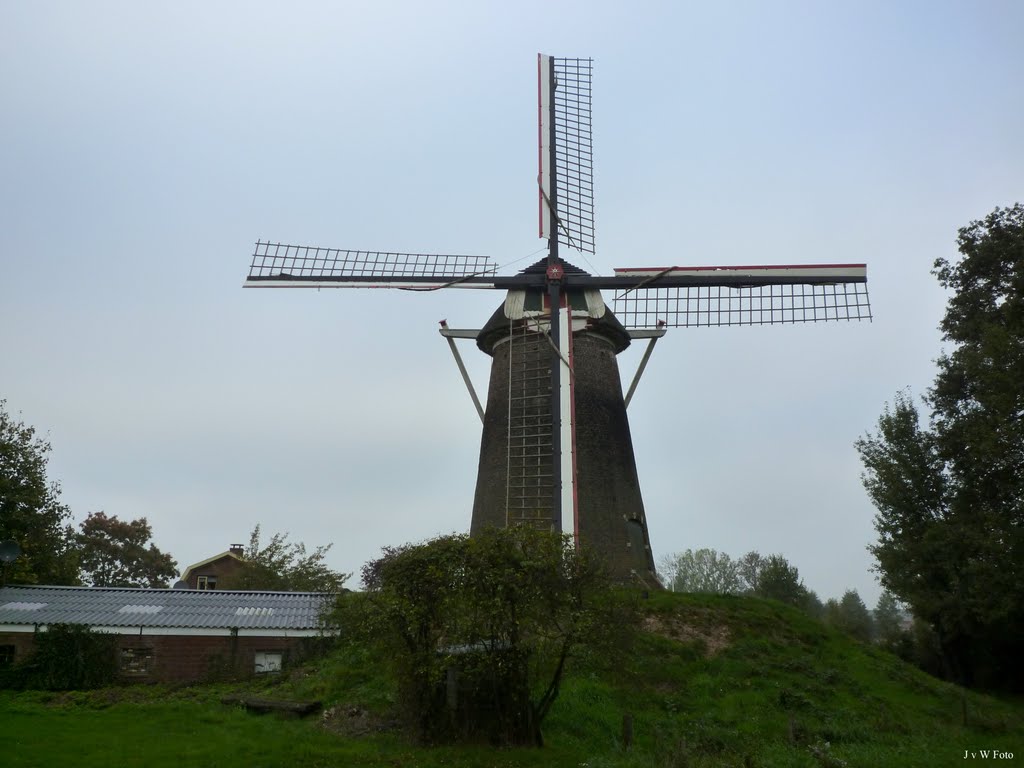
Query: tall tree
(749, 567)
(950, 496)
(114, 553)
(31, 512)
(906, 481)
(702, 570)
(284, 566)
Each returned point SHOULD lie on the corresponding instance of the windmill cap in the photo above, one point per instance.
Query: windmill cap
(600, 320)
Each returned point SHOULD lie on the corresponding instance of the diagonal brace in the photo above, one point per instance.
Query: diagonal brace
(451, 334)
(652, 335)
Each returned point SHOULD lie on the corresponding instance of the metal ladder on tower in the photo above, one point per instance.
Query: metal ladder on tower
(530, 495)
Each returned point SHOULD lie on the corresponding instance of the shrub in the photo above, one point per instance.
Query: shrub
(480, 630)
(68, 657)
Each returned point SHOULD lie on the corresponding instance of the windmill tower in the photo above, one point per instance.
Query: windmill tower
(556, 451)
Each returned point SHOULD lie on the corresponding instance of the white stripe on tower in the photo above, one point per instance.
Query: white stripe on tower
(544, 140)
(567, 429)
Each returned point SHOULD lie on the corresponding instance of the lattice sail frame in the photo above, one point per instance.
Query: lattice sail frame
(564, 123)
(803, 294)
(278, 264)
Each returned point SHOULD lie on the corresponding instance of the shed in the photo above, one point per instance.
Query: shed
(172, 635)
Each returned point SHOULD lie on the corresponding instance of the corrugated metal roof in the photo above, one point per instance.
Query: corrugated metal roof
(123, 607)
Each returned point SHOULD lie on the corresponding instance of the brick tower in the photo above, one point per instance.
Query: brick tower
(514, 481)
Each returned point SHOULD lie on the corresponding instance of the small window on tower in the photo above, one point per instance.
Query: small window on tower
(532, 302)
(206, 582)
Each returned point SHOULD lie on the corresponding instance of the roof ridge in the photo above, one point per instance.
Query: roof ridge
(93, 590)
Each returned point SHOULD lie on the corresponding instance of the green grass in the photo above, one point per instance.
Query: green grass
(710, 681)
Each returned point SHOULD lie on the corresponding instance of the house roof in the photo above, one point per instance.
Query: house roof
(185, 574)
(162, 608)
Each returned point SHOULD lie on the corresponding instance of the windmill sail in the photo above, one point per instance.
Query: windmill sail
(276, 265)
(687, 297)
(567, 190)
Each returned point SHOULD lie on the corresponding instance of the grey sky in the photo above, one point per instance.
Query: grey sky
(145, 147)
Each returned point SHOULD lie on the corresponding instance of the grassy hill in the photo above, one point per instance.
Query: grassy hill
(710, 681)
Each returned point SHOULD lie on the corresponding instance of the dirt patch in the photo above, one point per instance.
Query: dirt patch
(715, 638)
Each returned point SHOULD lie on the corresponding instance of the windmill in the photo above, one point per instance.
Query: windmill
(556, 451)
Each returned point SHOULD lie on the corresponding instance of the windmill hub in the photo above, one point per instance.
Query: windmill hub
(529, 309)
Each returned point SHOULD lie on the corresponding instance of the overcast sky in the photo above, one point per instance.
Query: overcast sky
(144, 147)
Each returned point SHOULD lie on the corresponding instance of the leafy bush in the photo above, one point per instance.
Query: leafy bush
(68, 657)
(480, 630)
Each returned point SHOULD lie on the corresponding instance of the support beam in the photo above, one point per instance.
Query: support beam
(652, 336)
(450, 336)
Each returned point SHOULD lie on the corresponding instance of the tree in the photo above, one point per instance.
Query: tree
(778, 580)
(702, 570)
(481, 629)
(31, 512)
(950, 496)
(889, 620)
(978, 421)
(812, 604)
(749, 567)
(281, 566)
(850, 615)
(113, 553)
(905, 479)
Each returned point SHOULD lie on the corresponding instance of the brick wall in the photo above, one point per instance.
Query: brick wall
(225, 569)
(611, 512)
(187, 659)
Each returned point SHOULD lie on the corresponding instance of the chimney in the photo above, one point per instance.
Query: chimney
(236, 549)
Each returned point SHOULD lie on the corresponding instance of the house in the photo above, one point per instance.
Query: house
(172, 635)
(215, 572)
